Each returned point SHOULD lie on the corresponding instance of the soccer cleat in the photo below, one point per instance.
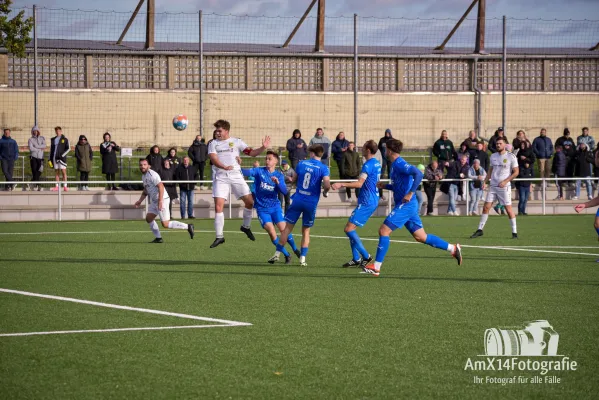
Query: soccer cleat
(351, 264)
(191, 230)
(217, 241)
(496, 208)
(303, 264)
(503, 212)
(297, 253)
(157, 240)
(287, 259)
(514, 236)
(248, 232)
(273, 259)
(366, 261)
(369, 269)
(478, 233)
(457, 253)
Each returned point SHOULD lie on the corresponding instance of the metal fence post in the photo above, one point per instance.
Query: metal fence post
(59, 203)
(201, 50)
(230, 205)
(504, 77)
(543, 185)
(356, 78)
(35, 64)
(466, 193)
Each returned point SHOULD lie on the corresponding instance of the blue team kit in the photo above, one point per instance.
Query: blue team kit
(310, 174)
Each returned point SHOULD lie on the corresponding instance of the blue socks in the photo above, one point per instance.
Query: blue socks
(357, 247)
(381, 250)
(597, 229)
(304, 252)
(436, 242)
(279, 247)
(291, 242)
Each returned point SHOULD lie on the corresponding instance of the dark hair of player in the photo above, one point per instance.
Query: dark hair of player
(371, 146)
(221, 123)
(272, 153)
(57, 128)
(395, 146)
(317, 149)
(502, 139)
(143, 160)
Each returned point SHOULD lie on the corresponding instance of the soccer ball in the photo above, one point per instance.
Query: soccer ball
(180, 122)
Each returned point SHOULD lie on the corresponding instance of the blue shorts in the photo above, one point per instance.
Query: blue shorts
(597, 214)
(362, 213)
(270, 215)
(405, 215)
(306, 210)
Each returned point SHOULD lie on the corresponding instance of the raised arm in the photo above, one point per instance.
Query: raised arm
(588, 204)
(260, 150)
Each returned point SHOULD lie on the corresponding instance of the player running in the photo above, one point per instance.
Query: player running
(504, 168)
(405, 179)
(268, 183)
(159, 200)
(224, 151)
(311, 175)
(590, 204)
(368, 202)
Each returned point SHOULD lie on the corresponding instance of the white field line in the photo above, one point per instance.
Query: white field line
(154, 328)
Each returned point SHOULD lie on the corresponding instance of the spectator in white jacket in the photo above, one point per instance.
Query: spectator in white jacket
(477, 186)
(37, 145)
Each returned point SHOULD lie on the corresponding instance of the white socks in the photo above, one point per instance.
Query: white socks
(450, 248)
(177, 225)
(219, 224)
(377, 265)
(155, 229)
(302, 259)
(483, 221)
(513, 224)
(247, 218)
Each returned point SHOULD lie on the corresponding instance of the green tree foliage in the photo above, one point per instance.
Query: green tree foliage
(14, 32)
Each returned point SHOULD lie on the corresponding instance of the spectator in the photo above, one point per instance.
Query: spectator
(168, 174)
(386, 166)
(586, 139)
(456, 171)
(352, 165)
(37, 145)
(525, 154)
(9, 152)
(110, 164)
(570, 152)
(297, 148)
(543, 150)
(186, 172)
(198, 153)
(583, 160)
(523, 187)
(59, 148)
(565, 139)
(171, 156)
(482, 156)
(493, 141)
(559, 169)
(321, 139)
(444, 151)
(289, 174)
(472, 145)
(84, 156)
(418, 193)
(477, 186)
(520, 137)
(433, 174)
(463, 152)
(155, 160)
(340, 146)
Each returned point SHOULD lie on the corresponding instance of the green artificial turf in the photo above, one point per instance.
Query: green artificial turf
(317, 332)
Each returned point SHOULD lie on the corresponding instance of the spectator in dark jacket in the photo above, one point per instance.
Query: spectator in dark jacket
(59, 148)
(444, 151)
(290, 176)
(168, 174)
(198, 153)
(155, 159)
(565, 139)
(297, 148)
(482, 156)
(543, 149)
(171, 156)
(583, 161)
(525, 154)
(493, 141)
(559, 169)
(110, 164)
(520, 137)
(352, 165)
(340, 146)
(463, 152)
(456, 170)
(472, 145)
(432, 173)
(526, 172)
(84, 156)
(186, 172)
(9, 152)
(386, 166)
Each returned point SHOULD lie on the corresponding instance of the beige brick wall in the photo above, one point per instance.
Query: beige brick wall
(142, 118)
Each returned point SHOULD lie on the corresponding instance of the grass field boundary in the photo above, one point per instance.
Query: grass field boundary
(219, 323)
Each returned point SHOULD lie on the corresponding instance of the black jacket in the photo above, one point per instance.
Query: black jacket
(59, 153)
(171, 188)
(583, 160)
(156, 161)
(429, 174)
(444, 150)
(529, 154)
(198, 152)
(483, 157)
(186, 174)
(559, 164)
(110, 163)
(383, 144)
(493, 143)
(525, 173)
(297, 153)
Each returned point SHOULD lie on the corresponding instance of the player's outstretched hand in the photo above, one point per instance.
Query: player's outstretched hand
(274, 179)
(407, 198)
(381, 185)
(137, 204)
(266, 142)
(336, 186)
(502, 184)
(579, 207)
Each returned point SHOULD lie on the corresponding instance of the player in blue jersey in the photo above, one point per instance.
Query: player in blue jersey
(268, 182)
(368, 202)
(590, 204)
(312, 174)
(405, 179)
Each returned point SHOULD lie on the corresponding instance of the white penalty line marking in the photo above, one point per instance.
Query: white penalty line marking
(222, 323)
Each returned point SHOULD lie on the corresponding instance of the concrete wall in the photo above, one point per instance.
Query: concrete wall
(143, 117)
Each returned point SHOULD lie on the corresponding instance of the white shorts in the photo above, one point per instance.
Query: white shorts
(164, 214)
(231, 180)
(58, 166)
(502, 195)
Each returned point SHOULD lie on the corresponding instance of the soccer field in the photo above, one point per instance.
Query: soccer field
(223, 323)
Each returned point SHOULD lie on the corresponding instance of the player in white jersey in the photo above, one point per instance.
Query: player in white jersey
(503, 169)
(158, 206)
(224, 152)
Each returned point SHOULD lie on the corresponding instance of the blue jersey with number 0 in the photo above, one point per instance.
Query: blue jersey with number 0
(310, 174)
(266, 191)
(369, 194)
(404, 178)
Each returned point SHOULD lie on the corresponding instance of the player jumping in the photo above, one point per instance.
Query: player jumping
(311, 175)
(368, 202)
(159, 200)
(405, 179)
(268, 183)
(223, 152)
(504, 168)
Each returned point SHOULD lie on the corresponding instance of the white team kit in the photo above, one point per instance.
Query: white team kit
(151, 179)
(227, 152)
(503, 165)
